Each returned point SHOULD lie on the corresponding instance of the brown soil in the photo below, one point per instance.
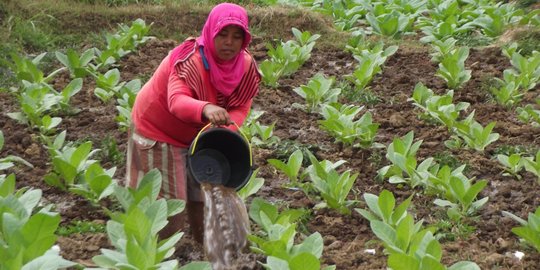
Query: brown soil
(491, 244)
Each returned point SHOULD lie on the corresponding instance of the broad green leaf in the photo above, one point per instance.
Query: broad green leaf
(313, 244)
(382, 230)
(386, 204)
(429, 263)
(197, 266)
(398, 261)
(304, 261)
(464, 265)
(39, 235)
(274, 263)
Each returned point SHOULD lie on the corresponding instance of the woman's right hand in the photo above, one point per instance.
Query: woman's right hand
(216, 115)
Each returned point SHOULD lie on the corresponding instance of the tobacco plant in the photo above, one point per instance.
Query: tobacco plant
(28, 69)
(119, 44)
(304, 38)
(388, 23)
(271, 72)
(383, 208)
(318, 91)
(512, 164)
(528, 114)
(341, 122)
(405, 168)
(95, 183)
(78, 66)
(134, 231)
(73, 170)
(327, 165)
(452, 68)
(507, 91)
(265, 214)
(532, 164)
(69, 162)
(473, 134)
(108, 85)
(277, 239)
(527, 69)
(461, 196)
(253, 185)
(252, 117)
(291, 55)
(409, 245)
(369, 64)
(441, 108)
(441, 30)
(529, 230)
(263, 135)
(496, 18)
(124, 107)
(291, 168)
(36, 100)
(332, 186)
(26, 230)
(441, 48)
(345, 14)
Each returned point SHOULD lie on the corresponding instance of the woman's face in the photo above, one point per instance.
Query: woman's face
(228, 42)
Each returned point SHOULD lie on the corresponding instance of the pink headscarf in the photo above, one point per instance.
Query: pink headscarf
(224, 75)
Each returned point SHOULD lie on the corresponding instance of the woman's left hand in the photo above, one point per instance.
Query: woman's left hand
(216, 115)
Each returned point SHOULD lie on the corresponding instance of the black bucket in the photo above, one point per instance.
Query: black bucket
(220, 156)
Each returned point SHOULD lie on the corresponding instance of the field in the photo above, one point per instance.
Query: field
(485, 237)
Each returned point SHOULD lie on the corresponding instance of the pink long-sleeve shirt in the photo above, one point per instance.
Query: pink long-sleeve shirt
(169, 106)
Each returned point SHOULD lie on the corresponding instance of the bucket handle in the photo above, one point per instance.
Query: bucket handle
(239, 131)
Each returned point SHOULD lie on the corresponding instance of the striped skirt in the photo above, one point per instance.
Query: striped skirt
(144, 154)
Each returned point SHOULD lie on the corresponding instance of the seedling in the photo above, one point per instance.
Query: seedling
(291, 168)
(529, 230)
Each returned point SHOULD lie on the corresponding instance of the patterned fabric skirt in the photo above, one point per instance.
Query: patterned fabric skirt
(144, 154)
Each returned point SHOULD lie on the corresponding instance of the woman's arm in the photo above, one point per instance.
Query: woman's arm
(182, 103)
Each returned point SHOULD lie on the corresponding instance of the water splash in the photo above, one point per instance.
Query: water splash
(226, 226)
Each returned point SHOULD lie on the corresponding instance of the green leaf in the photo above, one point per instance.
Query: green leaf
(259, 206)
(473, 191)
(175, 207)
(404, 232)
(313, 244)
(464, 265)
(429, 263)
(30, 199)
(66, 170)
(197, 266)
(274, 263)
(138, 225)
(137, 256)
(382, 230)
(81, 154)
(401, 211)
(398, 261)
(529, 235)
(72, 88)
(373, 203)
(7, 185)
(252, 186)
(39, 234)
(304, 261)
(149, 186)
(386, 205)
(49, 260)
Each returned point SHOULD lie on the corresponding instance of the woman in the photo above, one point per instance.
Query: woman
(208, 79)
